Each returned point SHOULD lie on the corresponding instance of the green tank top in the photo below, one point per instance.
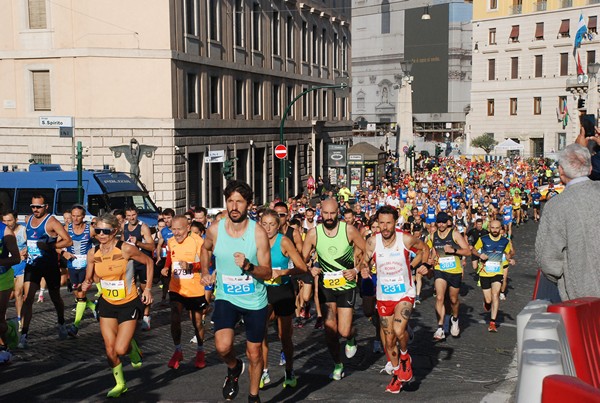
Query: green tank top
(335, 254)
(233, 284)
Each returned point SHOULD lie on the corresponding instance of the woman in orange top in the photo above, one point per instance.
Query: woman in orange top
(119, 307)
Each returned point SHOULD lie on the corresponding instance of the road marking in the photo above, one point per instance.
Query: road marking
(508, 387)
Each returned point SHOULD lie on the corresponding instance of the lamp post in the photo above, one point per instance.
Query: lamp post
(404, 124)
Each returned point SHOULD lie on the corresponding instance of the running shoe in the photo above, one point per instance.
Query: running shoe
(292, 381)
(146, 323)
(394, 386)
(377, 347)
(487, 306)
(95, 311)
(439, 334)
(389, 368)
(176, 359)
(194, 340)
(23, 342)
(265, 379)
(417, 300)
(492, 328)
(351, 348)
(5, 356)
(200, 361)
(231, 387)
(282, 360)
(72, 330)
(298, 322)
(12, 335)
(117, 391)
(62, 332)
(135, 355)
(319, 324)
(40, 297)
(454, 328)
(502, 296)
(338, 372)
(404, 371)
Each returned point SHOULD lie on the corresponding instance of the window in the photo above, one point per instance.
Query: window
(491, 69)
(514, 34)
(562, 104)
(275, 33)
(539, 31)
(315, 104)
(334, 105)
(562, 141)
(289, 99)
(490, 107)
(240, 97)
(385, 17)
(343, 106)
(238, 22)
(537, 105)
(290, 38)
(41, 90)
(213, 20)
(324, 48)
(190, 17)
(257, 99)
(563, 31)
(256, 28)
(37, 14)
(514, 68)
(276, 100)
(336, 47)
(344, 53)
(492, 36)
(493, 4)
(304, 41)
(513, 106)
(215, 96)
(591, 57)
(192, 90)
(564, 64)
(360, 101)
(41, 159)
(324, 103)
(539, 59)
(304, 104)
(315, 45)
(593, 24)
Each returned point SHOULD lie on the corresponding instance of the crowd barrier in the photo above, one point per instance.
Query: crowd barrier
(562, 388)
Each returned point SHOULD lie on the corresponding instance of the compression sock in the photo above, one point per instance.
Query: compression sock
(91, 305)
(79, 310)
(120, 387)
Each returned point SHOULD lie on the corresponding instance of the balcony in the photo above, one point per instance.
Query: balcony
(593, 2)
(566, 3)
(518, 9)
(542, 5)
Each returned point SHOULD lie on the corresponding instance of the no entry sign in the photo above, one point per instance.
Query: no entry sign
(281, 151)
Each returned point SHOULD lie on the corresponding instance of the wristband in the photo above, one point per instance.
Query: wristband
(250, 268)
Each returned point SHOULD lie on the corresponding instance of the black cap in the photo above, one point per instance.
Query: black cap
(442, 217)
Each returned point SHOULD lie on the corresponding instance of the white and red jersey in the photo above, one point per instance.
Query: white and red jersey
(394, 276)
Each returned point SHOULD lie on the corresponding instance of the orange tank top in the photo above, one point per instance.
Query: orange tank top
(116, 275)
(186, 282)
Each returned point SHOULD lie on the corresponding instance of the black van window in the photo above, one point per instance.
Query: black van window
(97, 205)
(65, 199)
(24, 199)
(7, 197)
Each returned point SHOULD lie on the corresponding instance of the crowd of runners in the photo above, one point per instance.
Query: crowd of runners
(287, 261)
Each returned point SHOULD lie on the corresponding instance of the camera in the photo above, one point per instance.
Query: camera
(588, 122)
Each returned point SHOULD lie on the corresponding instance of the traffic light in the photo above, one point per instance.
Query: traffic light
(411, 152)
(290, 168)
(581, 103)
(228, 169)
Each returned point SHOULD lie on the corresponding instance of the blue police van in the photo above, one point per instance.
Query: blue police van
(103, 191)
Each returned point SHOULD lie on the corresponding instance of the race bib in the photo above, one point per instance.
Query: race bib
(33, 250)
(277, 281)
(180, 272)
(80, 261)
(334, 279)
(492, 267)
(113, 290)
(392, 285)
(447, 263)
(238, 285)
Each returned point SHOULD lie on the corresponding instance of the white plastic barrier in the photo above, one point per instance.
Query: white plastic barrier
(535, 306)
(539, 358)
(550, 326)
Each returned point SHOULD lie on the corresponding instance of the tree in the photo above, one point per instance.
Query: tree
(485, 141)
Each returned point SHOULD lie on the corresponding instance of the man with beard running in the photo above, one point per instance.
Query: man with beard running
(334, 241)
(389, 250)
(243, 260)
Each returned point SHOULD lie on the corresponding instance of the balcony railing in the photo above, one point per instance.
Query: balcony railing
(517, 9)
(542, 5)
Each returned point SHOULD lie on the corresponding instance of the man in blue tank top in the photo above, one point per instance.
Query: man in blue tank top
(243, 259)
(45, 234)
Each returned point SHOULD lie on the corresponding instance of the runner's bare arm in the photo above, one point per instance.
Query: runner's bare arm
(147, 242)
(264, 270)
(289, 249)
(365, 265)
(89, 271)
(64, 239)
(309, 244)
(465, 249)
(10, 243)
(132, 252)
(206, 254)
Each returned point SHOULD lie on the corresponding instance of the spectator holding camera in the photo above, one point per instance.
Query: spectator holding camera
(567, 240)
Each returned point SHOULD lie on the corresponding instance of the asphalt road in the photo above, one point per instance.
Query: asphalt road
(477, 366)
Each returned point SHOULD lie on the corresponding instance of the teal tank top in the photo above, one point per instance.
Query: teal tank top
(335, 254)
(279, 262)
(233, 284)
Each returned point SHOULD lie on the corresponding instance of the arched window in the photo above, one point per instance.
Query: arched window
(385, 17)
(360, 101)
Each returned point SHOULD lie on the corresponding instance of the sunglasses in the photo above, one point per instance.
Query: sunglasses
(105, 231)
(37, 205)
(282, 215)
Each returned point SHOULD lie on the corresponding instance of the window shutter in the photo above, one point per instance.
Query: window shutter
(41, 90)
(37, 14)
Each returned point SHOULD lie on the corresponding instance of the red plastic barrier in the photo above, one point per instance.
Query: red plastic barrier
(582, 322)
(563, 388)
